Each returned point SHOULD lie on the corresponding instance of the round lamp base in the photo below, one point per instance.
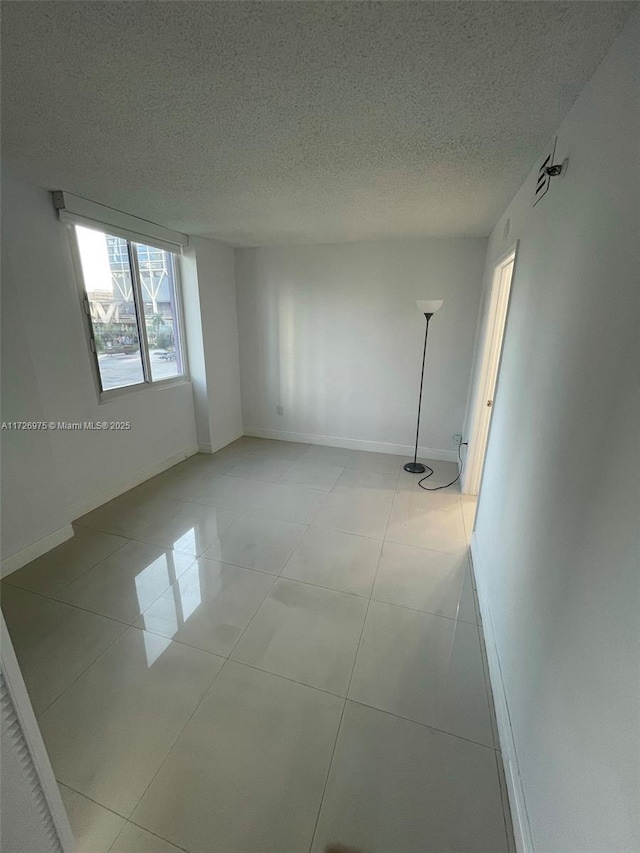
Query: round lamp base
(414, 468)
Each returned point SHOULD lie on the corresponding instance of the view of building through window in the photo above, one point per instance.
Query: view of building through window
(118, 276)
(160, 315)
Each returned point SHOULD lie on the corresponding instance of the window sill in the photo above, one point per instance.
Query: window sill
(117, 393)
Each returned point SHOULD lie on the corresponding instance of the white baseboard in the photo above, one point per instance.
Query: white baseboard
(35, 549)
(87, 504)
(216, 446)
(353, 444)
(515, 790)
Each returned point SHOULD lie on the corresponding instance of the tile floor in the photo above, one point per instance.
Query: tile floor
(263, 651)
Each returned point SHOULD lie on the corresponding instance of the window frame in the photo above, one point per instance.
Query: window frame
(148, 383)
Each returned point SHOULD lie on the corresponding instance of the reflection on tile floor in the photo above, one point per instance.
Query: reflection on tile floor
(263, 651)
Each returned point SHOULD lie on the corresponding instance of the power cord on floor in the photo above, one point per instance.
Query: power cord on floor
(446, 486)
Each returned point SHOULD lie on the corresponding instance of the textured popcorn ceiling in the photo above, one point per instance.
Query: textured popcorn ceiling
(273, 123)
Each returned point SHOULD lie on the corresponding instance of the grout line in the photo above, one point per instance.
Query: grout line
(478, 627)
(146, 630)
(285, 678)
(137, 616)
(190, 645)
(178, 642)
(126, 628)
(177, 738)
(464, 547)
(106, 649)
(353, 666)
(87, 797)
(423, 725)
(346, 532)
(424, 612)
(325, 588)
(259, 607)
(108, 556)
(400, 489)
(74, 606)
(80, 674)
(149, 832)
(84, 572)
(269, 483)
(326, 781)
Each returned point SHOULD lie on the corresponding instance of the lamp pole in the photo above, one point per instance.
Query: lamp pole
(416, 467)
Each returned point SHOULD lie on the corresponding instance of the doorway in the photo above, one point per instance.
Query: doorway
(487, 377)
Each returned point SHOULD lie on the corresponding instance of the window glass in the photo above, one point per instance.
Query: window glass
(158, 288)
(129, 284)
(109, 287)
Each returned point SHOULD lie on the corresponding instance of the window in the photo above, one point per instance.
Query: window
(131, 298)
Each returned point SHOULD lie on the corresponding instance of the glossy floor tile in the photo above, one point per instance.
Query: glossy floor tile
(398, 787)
(385, 463)
(64, 564)
(256, 542)
(109, 732)
(432, 496)
(305, 633)
(133, 839)
(211, 462)
(267, 448)
(54, 643)
(312, 475)
(181, 481)
(209, 606)
(292, 502)
(189, 652)
(94, 828)
(127, 582)
(432, 581)
(427, 521)
(128, 514)
(236, 493)
(337, 456)
(443, 473)
(188, 527)
(335, 560)
(268, 469)
(423, 667)
(364, 481)
(248, 772)
(363, 514)
(247, 444)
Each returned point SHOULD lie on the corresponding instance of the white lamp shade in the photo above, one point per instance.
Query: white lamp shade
(429, 306)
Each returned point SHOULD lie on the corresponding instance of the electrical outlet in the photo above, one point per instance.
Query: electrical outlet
(457, 440)
(280, 410)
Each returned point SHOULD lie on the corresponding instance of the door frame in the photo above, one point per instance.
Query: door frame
(487, 376)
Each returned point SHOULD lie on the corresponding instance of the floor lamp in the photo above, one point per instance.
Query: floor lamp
(428, 308)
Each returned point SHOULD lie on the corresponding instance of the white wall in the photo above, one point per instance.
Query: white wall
(556, 543)
(195, 346)
(219, 329)
(28, 474)
(332, 334)
(89, 467)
